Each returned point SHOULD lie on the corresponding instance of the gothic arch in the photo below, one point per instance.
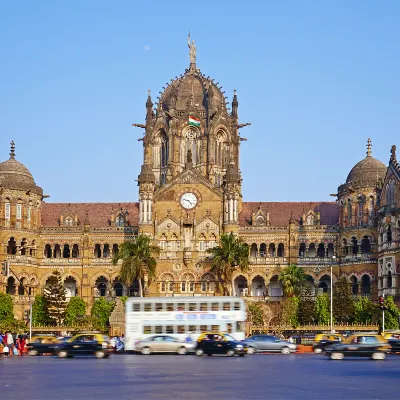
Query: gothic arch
(71, 274)
(187, 276)
(96, 276)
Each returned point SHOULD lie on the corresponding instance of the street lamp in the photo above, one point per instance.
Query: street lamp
(333, 259)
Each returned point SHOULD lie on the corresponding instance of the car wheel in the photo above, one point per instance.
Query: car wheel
(146, 351)
(336, 356)
(230, 353)
(33, 352)
(63, 354)
(285, 350)
(182, 351)
(317, 350)
(241, 355)
(100, 354)
(209, 354)
(199, 352)
(378, 356)
(251, 350)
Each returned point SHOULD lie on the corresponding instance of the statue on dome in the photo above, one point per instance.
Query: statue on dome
(192, 50)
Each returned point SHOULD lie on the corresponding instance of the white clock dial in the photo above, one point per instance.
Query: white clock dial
(188, 200)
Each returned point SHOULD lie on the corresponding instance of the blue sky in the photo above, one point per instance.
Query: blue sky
(315, 79)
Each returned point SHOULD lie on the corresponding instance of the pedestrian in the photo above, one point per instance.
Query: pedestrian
(22, 345)
(10, 342)
(6, 351)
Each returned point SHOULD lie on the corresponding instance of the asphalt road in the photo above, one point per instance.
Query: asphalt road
(269, 376)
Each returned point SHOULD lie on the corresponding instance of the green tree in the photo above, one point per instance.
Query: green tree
(392, 314)
(307, 306)
(230, 254)
(101, 312)
(290, 310)
(343, 304)
(292, 278)
(322, 309)
(76, 306)
(365, 311)
(256, 314)
(138, 262)
(6, 307)
(40, 311)
(55, 293)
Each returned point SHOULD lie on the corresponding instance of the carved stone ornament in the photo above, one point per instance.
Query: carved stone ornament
(177, 267)
(317, 270)
(198, 267)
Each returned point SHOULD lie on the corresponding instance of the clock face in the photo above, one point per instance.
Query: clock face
(188, 200)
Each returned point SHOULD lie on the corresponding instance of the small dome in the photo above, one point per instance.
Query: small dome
(368, 171)
(14, 175)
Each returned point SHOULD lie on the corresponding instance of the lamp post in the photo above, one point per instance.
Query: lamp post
(333, 259)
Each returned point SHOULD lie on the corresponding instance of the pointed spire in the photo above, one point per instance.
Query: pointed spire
(86, 222)
(393, 154)
(291, 220)
(369, 148)
(235, 105)
(12, 151)
(149, 106)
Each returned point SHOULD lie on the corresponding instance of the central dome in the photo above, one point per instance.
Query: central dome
(368, 171)
(14, 175)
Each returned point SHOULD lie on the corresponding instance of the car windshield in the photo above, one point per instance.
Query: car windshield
(229, 337)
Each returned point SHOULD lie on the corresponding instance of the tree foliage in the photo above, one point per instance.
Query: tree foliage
(54, 294)
(40, 311)
(343, 305)
(101, 312)
(290, 311)
(365, 311)
(6, 307)
(256, 314)
(76, 306)
(392, 314)
(307, 306)
(138, 262)
(322, 309)
(230, 254)
(292, 278)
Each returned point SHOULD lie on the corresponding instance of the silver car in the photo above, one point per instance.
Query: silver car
(268, 343)
(163, 344)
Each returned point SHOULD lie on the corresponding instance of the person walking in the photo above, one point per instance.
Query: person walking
(10, 342)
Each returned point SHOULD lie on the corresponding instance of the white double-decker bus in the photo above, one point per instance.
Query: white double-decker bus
(183, 316)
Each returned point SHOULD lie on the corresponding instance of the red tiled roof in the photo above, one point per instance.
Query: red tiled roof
(99, 213)
(279, 212)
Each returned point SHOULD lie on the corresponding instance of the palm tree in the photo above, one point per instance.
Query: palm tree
(231, 253)
(292, 278)
(137, 261)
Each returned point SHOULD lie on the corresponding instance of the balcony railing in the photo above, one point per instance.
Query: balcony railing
(316, 260)
(50, 261)
(267, 260)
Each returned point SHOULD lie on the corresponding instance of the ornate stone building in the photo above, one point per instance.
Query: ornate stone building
(190, 193)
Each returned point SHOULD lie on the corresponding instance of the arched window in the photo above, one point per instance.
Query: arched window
(120, 221)
(360, 212)
(106, 251)
(97, 251)
(365, 285)
(263, 250)
(310, 220)
(220, 150)
(118, 289)
(57, 251)
(12, 246)
(47, 251)
(281, 250)
(75, 251)
(321, 250)
(202, 243)
(115, 249)
(389, 234)
(390, 195)
(354, 285)
(389, 280)
(253, 250)
(354, 244)
(311, 250)
(23, 247)
(371, 210)
(345, 248)
(190, 141)
(302, 250)
(349, 213)
(365, 245)
(11, 288)
(187, 283)
(163, 242)
(69, 221)
(271, 250)
(7, 209)
(66, 251)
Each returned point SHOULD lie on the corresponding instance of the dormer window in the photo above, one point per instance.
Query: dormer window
(310, 220)
(69, 221)
(119, 221)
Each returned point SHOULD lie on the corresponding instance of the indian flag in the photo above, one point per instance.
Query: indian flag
(194, 121)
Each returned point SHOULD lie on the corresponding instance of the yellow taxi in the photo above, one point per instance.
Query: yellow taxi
(323, 340)
(41, 344)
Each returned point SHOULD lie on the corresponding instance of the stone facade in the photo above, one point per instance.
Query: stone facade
(190, 192)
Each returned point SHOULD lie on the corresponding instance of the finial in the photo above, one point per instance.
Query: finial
(234, 92)
(12, 152)
(369, 148)
(148, 92)
(393, 153)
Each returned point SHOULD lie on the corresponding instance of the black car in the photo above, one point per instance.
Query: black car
(326, 341)
(85, 345)
(394, 345)
(42, 345)
(360, 345)
(219, 343)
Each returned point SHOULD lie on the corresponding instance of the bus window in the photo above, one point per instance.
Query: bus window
(215, 306)
(159, 306)
(237, 306)
(170, 306)
(226, 306)
(203, 306)
(192, 306)
(203, 328)
(229, 328)
(148, 307)
(147, 329)
(169, 329)
(215, 328)
(181, 307)
(158, 329)
(192, 329)
(181, 328)
(136, 307)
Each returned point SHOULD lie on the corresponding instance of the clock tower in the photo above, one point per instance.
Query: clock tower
(190, 182)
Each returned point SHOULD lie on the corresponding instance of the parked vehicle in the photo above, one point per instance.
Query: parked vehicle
(219, 343)
(360, 345)
(85, 344)
(163, 344)
(321, 341)
(259, 343)
(42, 344)
(393, 338)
